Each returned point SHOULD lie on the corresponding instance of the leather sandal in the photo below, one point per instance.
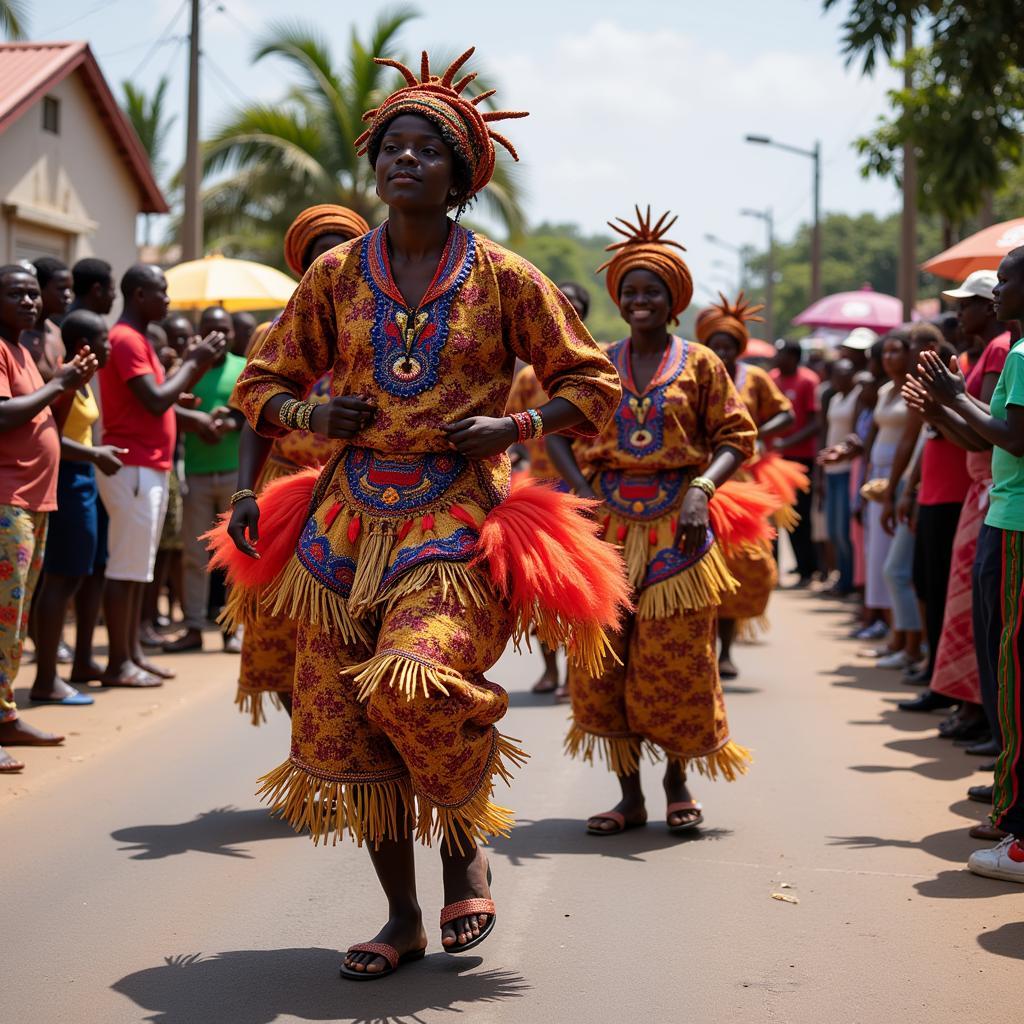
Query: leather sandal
(464, 908)
(381, 949)
(684, 805)
(618, 818)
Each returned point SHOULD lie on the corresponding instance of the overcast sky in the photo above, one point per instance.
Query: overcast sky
(645, 101)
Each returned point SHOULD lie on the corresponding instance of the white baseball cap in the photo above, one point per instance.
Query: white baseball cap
(980, 285)
(860, 339)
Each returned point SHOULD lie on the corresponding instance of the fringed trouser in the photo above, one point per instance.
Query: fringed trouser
(665, 697)
(755, 571)
(398, 732)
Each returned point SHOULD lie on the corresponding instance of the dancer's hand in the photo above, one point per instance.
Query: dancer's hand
(480, 437)
(693, 522)
(244, 526)
(342, 417)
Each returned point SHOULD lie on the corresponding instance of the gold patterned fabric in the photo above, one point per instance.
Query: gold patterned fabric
(393, 722)
(528, 394)
(665, 694)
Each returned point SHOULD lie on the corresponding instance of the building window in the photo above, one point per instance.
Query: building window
(51, 115)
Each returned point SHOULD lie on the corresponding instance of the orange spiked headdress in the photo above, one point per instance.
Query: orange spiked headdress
(325, 219)
(646, 248)
(729, 318)
(439, 99)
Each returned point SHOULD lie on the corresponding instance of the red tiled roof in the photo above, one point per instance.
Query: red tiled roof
(29, 70)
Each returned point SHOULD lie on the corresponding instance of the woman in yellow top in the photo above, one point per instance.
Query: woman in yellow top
(268, 643)
(680, 431)
(396, 557)
(723, 328)
(76, 548)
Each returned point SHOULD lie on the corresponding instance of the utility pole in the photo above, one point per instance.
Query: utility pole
(816, 230)
(769, 278)
(908, 219)
(192, 221)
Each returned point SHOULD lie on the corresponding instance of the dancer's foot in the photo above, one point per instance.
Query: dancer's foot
(465, 878)
(548, 682)
(404, 934)
(633, 816)
(676, 792)
(20, 734)
(726, 669)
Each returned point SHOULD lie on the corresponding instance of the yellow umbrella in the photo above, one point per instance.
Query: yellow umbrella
(233, 284)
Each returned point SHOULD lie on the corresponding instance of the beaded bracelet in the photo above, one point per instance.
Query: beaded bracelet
(245, 492)
(284, 414)
(705, 484)
(529, 424)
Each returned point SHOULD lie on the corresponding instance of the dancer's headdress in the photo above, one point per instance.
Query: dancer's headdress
(645, 247)
(729, 318)
(325, 219)
(441, 101)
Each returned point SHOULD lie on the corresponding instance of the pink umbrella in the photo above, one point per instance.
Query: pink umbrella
(847, 310)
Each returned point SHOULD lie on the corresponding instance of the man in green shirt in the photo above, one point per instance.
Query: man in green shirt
(211, 467)
(1001, 544)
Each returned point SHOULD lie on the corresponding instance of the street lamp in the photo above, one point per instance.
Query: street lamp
(815, 155)
(738, 250)
(769, 283)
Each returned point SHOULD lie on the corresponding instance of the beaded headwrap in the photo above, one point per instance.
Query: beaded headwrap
(325, 219)
(729, 318)
(646, 248)
(440, 101)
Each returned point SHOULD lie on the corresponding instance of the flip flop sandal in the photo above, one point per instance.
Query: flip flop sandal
(463, 909)
(684, 805)
(10, 765)
(72, 700)
(381, 949)
(618, 818)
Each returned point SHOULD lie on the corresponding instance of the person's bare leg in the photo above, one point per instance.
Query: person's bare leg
(395, 865)
(51, 604)
(18, 733)
(726, 635)
(676, 791)
(465, 878)
(548, 681)
(88, 600)
(912, 644)
(135, 626)
(631, 806)
(286, 702)
(119, 604)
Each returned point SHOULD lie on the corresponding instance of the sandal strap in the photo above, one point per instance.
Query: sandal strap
(381, 949)
(616, 816)
(684, 805)
(464, 908)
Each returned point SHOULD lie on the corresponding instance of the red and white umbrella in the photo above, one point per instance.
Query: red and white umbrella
(981, 251)
(846, 310)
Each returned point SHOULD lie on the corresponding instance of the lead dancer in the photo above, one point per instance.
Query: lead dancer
(681, 430)
(408, 563)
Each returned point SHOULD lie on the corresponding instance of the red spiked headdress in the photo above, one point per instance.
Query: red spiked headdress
(646, 248)
(440, 100)
(729, 318)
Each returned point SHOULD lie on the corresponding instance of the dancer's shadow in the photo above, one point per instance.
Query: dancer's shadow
(1007, 940)
(903, 721)
(221, 831)
(550, 837)
(865, 677)
(940, 766)
(954, 846)
(251, 986)
(963, 885)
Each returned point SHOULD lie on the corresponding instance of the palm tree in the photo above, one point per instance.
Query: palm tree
(279, 158)
(14, 18)
(148, 115)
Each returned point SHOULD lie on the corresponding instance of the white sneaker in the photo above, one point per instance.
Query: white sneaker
(1005, 861)
(898, 659)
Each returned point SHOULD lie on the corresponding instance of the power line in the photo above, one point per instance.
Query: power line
(209, 65)
(160, 40)
(81, 17)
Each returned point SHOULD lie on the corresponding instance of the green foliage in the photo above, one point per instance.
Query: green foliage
(856, 250)
(14, 18)
(268, 162)
(148, 115)
(563, 253)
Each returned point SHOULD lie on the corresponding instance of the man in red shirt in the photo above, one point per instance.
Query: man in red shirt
(799, 443)
(139, 415)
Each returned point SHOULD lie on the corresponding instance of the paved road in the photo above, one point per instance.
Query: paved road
(144, 882)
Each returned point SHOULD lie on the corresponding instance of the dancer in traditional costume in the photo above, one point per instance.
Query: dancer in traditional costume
(723, 328)
(680, 431)
(528, 393)
(408, 562)
(268, 646)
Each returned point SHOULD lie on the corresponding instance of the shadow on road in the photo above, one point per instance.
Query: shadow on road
(954, 845)
(962, 885)
(1006, 940)
(940, 766)
(252, 986)
(220, 831)
(549, 837)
